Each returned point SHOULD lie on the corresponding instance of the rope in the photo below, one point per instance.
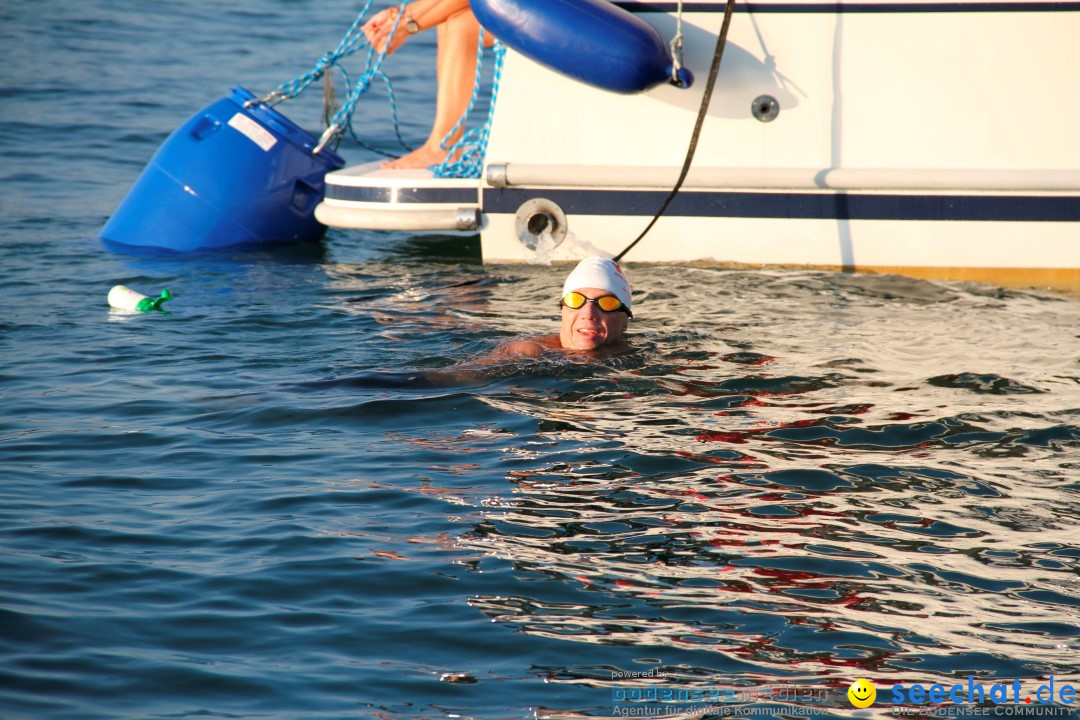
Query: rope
(469, 149)
(677, 48)
(714, 69)
(354, 39)
(472, 146)
(393, 115)
(343, 117)
(341, 120)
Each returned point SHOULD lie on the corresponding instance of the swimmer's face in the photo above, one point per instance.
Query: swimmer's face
(589, 327)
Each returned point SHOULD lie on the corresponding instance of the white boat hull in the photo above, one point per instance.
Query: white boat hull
(935, 139)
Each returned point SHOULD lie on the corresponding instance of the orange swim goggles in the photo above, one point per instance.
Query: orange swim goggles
(607, 303)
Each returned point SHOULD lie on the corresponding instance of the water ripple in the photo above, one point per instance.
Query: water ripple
(307, 491)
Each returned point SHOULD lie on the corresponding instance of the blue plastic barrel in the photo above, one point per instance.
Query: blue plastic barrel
(594, 41)
(229, 176)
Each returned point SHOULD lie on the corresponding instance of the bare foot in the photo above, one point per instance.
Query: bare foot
(421, 157)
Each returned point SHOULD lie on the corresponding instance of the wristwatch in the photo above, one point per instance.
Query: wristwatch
(411, 26)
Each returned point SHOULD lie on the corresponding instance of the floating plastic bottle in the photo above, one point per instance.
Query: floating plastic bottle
(124, 298)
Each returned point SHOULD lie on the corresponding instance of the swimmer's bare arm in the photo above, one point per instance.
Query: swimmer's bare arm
(518, 348)
(469, 371)
(527, 347)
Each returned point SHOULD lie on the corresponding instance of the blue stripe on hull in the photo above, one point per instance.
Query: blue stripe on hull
(402, 195)
(866, 7)
(804, 206)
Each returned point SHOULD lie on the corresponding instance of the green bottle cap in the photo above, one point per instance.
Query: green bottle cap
(148, 304)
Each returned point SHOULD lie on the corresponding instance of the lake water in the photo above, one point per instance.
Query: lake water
(295, 496)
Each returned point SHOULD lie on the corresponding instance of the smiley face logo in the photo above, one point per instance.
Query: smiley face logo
(862, 693)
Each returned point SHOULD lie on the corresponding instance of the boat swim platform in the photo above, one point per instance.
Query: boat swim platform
(370, 197)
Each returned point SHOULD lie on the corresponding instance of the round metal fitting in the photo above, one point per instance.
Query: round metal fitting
(765, 108)
(467, 218)
(536, 216)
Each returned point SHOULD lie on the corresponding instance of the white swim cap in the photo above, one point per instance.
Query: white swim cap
(600, 273)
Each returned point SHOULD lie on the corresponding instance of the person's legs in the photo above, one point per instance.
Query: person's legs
(455, 68)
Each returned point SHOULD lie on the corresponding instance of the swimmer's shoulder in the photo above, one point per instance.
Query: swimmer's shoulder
(528, 347)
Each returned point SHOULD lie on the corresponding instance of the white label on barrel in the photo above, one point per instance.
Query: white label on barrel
(252, 130)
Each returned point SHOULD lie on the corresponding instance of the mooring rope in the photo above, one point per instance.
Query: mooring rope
(472, 147)
(354, 40)
(393, 115)
(469, 149)
(342, 119)
(714, 69)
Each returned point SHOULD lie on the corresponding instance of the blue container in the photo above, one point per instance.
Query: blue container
(229, 176)
(593, 41)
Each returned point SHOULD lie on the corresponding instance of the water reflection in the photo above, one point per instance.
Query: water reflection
(797, 516)
(785, 580)
(791, 478)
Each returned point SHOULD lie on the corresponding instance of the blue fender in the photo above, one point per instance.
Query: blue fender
(593, 41)
(231, 175)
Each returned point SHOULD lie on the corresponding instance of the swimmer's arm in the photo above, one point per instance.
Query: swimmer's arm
(524, 348)
(520, 348)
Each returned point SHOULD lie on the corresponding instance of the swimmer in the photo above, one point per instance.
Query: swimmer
(595, 313)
